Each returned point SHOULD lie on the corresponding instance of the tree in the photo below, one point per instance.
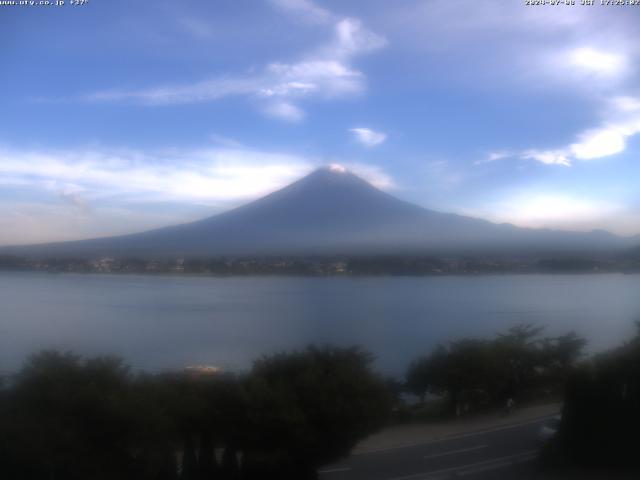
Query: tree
(427, 373)
(560, 356)
(309, 408)
(71, 418)
(601, 414)
(475, 373)
(68, 419)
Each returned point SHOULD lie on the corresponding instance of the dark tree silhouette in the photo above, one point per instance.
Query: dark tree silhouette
(69, 419)
(475, 373)
(309, 408)
(601, 414)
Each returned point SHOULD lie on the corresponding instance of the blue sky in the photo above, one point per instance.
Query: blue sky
(119, 116)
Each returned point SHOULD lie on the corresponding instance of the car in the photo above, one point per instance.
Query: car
(549, 429)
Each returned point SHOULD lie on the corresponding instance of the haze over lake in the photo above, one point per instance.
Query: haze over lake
(160, 322)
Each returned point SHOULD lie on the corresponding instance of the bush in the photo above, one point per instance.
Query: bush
(70, 418)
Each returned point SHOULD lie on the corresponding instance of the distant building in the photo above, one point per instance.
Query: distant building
(104, 265)
(179, 266)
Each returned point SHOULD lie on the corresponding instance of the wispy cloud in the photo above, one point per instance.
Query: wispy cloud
(590, 60)
(587, 43)
(80, 193)
(548, 157)
(324, 72)
(368, 137)
(494, 157)
(207, 176)
(208, 90)
(285, 111)
(621, 121)
(304, 10)
(84, 193)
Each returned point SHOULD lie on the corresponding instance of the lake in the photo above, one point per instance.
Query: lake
(160, 322)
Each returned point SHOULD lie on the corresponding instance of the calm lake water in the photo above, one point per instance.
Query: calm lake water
(168, 322)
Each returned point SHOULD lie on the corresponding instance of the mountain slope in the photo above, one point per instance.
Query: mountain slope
(332, 212)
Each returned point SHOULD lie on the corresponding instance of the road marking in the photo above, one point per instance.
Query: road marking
(493, 466)
(453, 452)
(334, 470)
(446, 438)
(475, 467)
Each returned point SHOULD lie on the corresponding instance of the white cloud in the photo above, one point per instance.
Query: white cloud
(325, 72)
(585, 53)
(599, 143)
(323, 77)
(352, 38)
(83, 192)
(285, 111)
(549, 157)
(622, 120)
(207, 176)
(591, 72)
(204, 91)
(586, 50)
(494, 157)
(368, 137)
(597, 62)
(625, 104)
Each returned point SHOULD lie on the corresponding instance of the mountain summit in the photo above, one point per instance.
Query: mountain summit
(332, 211)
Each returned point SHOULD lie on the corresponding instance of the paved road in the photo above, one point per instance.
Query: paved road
(503, 452)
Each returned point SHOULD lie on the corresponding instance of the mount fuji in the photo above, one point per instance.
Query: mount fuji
(333, 212)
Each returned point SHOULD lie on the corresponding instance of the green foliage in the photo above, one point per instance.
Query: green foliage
(65, 417)
(478, 373)
(313, 405)
(601, 415)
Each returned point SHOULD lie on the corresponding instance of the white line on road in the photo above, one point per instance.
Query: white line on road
(453, 452)
(495, 465)
(471, 468)
(335, 470)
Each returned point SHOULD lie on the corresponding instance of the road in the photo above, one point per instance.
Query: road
(501, 452)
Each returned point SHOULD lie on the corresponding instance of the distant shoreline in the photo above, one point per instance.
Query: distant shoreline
(363, 266)
(327, 276)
